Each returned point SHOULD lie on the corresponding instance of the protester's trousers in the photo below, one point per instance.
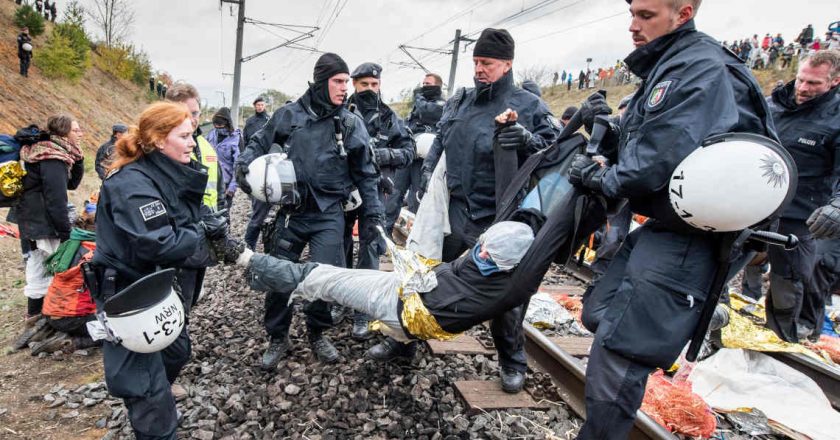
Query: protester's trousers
(643, 311)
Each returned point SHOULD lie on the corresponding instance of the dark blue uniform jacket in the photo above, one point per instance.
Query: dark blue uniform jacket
(147, 217)
(325, 178)
(692, 88)
(387, 132)
(466, 134)
(811, 133)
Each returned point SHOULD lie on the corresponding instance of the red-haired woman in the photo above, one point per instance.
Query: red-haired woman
(150, 217)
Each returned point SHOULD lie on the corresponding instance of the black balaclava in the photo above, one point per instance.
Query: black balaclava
(327, 66)
(366, 100)
(431, 93)
(222, 117)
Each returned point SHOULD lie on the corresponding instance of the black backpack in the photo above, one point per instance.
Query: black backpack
(31, 135)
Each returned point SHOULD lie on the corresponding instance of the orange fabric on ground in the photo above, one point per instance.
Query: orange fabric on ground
(67, 295)
(674, 406)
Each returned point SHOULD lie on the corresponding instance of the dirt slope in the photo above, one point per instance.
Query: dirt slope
(98, 100)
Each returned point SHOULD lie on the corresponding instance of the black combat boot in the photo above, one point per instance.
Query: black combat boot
(323, 349)
(391, 349)
(277, 348)
(360, 327)
(512, 380)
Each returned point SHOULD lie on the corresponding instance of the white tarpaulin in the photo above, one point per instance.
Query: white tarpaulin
(735, 378)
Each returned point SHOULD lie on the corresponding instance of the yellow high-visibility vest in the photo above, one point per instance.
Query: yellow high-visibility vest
(211, 161)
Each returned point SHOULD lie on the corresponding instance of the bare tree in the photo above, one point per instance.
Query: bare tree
(113, 18)
(540, 74)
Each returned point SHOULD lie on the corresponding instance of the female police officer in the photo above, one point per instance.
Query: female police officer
(150, 216)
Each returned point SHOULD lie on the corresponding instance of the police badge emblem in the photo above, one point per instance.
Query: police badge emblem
(657, 95)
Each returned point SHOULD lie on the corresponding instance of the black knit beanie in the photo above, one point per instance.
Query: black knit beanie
(329, 64)
(494, 43)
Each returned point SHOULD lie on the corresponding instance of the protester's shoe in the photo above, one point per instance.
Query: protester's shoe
(59, 342)
(512, 380)
(178, 392)
(277, 348)
(360, 330)
(720, 318)
(31, 320)
(324, 350)
(338, 313)
(85, 342)
(30, 330)
(391, 349)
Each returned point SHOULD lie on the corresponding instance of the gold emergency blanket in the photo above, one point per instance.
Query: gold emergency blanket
(744, 333)
(417, 277)
(11, 178)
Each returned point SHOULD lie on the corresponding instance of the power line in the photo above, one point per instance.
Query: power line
(574, 27)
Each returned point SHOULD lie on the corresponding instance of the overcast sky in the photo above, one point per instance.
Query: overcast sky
(194, 40)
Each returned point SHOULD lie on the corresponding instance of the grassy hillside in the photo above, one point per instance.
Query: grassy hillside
(97, 101)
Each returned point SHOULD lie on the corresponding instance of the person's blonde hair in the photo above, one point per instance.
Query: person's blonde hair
(153, 126)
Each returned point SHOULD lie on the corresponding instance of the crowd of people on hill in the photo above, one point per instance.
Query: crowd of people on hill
(771, 52)
(600, 77)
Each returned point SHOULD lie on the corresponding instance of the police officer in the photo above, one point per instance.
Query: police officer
(393, 150)
(259, 210)
(646, 306)
(203, 152)
(466, 135)
(424, 116)
(308, 131)
(806, 112)
(150, 215)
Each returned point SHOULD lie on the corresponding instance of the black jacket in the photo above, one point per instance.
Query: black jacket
(811, 134)
(42, 209)
(466, 134)
(324, 177)
(104, 157)
(387, 131)
(23, 38)
(425, 114)
(148, 217)
(253, 124)
(692, 89)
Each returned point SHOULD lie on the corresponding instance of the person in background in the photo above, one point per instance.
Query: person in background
(52, 167)
(24, 44)
(228, 143)
(259, 210)
(105, 153)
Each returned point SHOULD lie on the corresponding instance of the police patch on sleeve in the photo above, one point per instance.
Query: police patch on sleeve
(658, 95)
(152, 210)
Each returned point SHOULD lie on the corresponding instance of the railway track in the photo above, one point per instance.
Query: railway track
(826, 376)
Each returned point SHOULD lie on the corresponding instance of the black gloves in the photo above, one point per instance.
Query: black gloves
(425, 179)
(215, 225)
(241, 180)
(227, 250)
(384, 156)
(387, 185)
(824, 222)
(594, 105)
(586, 173)
(513, 136)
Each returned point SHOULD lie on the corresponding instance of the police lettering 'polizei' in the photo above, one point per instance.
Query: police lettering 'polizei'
(806, 112)
(392, 150)
(646, 306)
(422, 122)
(330, 149)
(467, 136)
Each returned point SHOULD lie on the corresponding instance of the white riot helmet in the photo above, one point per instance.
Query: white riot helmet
(273, 180)
(423, 143)
(146, 316)
(733, 181)
(26, 47)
